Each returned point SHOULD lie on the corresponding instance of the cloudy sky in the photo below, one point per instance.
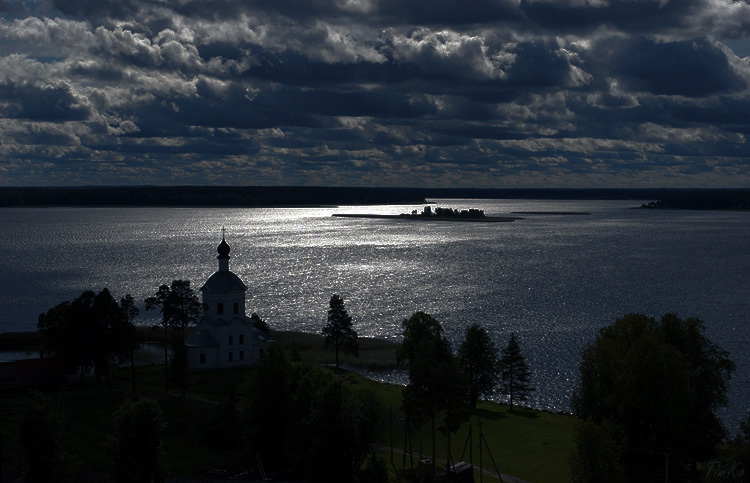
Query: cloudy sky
(433, 93)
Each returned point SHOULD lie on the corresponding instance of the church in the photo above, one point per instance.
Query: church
(224, 336)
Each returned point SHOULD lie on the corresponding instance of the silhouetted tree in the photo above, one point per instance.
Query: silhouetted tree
(479, 360)
(660, 383)
(306, 416)
(734, 459)
(339, 332)
(597, 453)
(180, 307)
(260, 324)
(64, 335)
(88, 332)
(116, 338)
(514, 372)
(435, 381)
(127, 303)
(136, 448)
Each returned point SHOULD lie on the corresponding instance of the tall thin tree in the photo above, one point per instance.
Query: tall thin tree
(180, 307)
(131, 312)
(515, 373)
(479, 360)
(339, 332)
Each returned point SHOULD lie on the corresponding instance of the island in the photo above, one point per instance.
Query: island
(437, 214)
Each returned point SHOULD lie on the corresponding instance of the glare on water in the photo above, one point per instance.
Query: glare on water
(554, 280)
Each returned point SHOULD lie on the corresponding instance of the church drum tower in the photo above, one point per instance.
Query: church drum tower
(224, 336)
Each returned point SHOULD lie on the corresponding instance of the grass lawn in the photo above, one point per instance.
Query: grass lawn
(531, 445)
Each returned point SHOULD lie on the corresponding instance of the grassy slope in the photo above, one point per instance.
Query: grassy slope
(531, 445)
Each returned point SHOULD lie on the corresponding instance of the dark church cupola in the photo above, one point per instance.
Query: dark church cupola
(223, 250)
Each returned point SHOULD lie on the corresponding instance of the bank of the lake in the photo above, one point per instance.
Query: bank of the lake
(531, 445)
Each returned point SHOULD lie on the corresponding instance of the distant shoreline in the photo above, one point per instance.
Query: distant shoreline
(309, 196)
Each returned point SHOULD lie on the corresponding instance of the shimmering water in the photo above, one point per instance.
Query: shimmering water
(552, 279)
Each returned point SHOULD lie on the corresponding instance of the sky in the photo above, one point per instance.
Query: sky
(423, 93)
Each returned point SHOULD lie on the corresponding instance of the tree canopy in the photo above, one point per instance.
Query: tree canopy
(307, 417)
(136, 446)
(178, 304)
(180, 307)
(90, 331)
(515, 373)
(339, 332)
(436, 384)
(479, 360)
(660, 382)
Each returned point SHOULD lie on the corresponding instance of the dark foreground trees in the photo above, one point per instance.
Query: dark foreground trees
(43, 459)
(658, 383)
(436, 384)
(514, 372)
(479, 360)
(339, 332)
(307, 418)
(136, 447)
(733, 462)
(91, 332)
(180, 308)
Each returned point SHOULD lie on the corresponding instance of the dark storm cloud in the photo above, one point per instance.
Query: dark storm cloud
(55, 102)
(448, 12)
(482, 93)
(634, 16)
(690, 68)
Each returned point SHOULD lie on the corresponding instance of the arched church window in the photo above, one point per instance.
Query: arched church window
(236, 308)
(220, 308)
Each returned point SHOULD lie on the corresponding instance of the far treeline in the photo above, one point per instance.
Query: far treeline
(250, 196)
(704, 200)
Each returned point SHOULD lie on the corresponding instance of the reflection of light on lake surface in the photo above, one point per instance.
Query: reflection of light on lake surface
(554, 280)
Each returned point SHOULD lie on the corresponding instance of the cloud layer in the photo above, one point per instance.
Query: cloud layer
(486, 93)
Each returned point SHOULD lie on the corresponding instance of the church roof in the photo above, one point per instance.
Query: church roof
(223, 282)
(202, 338)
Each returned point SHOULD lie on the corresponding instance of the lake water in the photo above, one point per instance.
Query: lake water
(554, 280)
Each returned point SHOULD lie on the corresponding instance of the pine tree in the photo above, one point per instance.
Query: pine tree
(338, 332)
(515, 374)
(479, 358)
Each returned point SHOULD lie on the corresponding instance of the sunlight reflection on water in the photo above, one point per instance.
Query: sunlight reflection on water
(554, 280)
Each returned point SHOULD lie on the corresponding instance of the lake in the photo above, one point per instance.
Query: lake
(554, 280)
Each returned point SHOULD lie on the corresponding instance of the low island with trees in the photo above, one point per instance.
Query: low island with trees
(438, 213)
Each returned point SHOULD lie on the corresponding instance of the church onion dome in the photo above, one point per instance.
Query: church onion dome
(223, 282)
(223, 249)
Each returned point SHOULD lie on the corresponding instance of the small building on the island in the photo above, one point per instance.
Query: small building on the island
(224, 336)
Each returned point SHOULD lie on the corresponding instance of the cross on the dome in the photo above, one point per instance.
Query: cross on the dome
(222, 232)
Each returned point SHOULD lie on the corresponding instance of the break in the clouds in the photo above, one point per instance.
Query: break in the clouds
(485, 93)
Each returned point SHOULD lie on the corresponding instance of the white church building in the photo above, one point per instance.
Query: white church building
(224, 336)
